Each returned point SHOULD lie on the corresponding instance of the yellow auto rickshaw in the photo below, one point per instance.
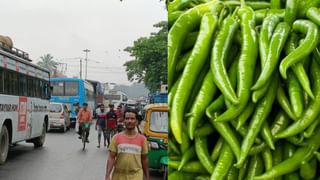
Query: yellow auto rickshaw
(156, 131)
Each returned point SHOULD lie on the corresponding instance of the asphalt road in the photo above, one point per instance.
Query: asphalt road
(61, 158)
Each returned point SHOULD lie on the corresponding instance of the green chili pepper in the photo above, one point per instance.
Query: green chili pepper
(189, 42)
(275, 4)
(260, 115)
(298, 68)
(267, 135)
(308, 170)
(203, 177)
(259, 93)
(311, 112)
(284, 102)
(256, 5)
(268, 25)
(262, 13)
(276, 45)
(313, 13)
(317, 155)
(173, 146)
(202, 152)
(288, 151)
(291, 11)
(190, 167)
(255, 167)
(195, 62)
(305, 5)
(232, 174)
(215, 106)
(304, 153)
(177, 5)
(185, 24)
(316, 54)
(187, 156)
(296, 140)
(182, 62)
(216, 150)
(311, 128)
(178, 175)
(311, 40)
(295, 95)
(267, 158)
(243, 170)
(228, 134)
(204, 130)
(172, 91)
(219, 53)
(244, 116)
(172, 17)
(203, 99)
(185, 141)
(224, 163)
(247, 61)
(195, 90)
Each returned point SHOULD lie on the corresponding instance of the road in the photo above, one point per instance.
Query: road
(61, 158)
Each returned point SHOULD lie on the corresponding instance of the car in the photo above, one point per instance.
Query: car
(59, 116)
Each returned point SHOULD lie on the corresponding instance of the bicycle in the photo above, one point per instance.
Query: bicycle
(85, 129)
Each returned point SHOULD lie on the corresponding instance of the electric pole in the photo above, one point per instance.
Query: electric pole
(86, 51)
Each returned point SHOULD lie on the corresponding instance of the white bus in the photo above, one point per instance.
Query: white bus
(24, 99)
(115, 97)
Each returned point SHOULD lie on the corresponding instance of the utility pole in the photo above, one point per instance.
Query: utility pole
(86, 51)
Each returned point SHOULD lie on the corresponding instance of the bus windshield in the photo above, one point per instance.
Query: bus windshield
(65, 88)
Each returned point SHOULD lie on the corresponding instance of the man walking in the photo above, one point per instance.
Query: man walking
(128, 152)
(101, 124)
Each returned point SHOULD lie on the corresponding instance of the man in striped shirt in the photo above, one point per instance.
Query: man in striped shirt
(128, 152)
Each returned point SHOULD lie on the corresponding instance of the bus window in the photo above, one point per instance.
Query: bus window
(5, 82)
(30, 87)
(71, 88)
(15, 83)
(1, 80)
(36, 87)
(58, 88)
(22, 85)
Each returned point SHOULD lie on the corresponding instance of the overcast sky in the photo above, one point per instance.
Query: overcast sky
(64, 28)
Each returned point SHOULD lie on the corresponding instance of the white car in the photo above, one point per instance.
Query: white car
(59, 116)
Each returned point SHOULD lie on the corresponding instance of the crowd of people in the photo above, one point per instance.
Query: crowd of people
(128, 148)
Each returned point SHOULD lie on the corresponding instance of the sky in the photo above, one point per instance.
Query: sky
(64, 28)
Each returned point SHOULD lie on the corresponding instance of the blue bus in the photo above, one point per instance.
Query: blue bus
(71, 91)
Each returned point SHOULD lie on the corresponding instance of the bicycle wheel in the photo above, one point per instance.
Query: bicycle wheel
(84, 135)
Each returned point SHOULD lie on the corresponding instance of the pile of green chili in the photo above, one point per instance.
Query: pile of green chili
(244, 89)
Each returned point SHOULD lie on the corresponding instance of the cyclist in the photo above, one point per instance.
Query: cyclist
(111, 122)
(120, 123)
(84, 116)
(101, 124)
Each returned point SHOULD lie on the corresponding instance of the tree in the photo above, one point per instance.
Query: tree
(48, 63)
(150, 63)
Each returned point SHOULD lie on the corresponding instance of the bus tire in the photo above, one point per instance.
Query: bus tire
(4, 144)
(39, 141)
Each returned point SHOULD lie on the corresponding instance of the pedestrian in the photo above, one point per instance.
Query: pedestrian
(120, 123)
(84, 116)
(128, 152)
(101, 125)
(111, 123)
